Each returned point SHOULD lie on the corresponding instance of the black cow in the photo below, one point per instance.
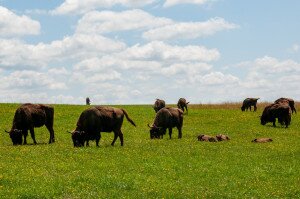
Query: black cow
(281, 111)
(28, 116)
(166, 118)
(290, 102)
(159, 104)
(182, 104)
(95, 120)
(248, 102)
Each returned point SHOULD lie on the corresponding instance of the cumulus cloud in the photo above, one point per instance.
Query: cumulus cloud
(271, 65)
(169, 3)
(109, 21)
(17, 54)
(157, 50)
(12, 25)
(30, 80)
(80, 7)
(155, 28)
(188, 30)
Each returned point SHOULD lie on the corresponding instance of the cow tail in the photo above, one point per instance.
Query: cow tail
(128, 118)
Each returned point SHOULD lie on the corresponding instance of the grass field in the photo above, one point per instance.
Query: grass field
(146, 168)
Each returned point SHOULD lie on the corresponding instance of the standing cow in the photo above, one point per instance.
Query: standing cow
(248, 102)
(281, 111)
(182, 104)
(166, 118)
(28, 116)
(289, 101)
(95, 120)
(159, 104)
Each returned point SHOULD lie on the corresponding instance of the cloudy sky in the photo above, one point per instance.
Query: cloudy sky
(134, 51)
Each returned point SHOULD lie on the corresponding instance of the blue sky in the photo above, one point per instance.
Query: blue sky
(132, 52)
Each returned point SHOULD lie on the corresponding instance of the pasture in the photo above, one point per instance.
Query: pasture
(145, 168)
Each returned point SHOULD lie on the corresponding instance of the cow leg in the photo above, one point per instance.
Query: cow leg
(116, 134)
(286, 121)
(179, 128)
(25, 133)
(121, 138)
(274, 122)
(32, 135)
(51, 131)
(98, 139)
(255, 108)
(170, 133)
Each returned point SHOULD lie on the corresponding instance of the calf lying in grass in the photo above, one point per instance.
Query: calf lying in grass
(262, 140)
(208, 138)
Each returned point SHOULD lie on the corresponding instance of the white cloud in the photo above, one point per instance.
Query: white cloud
(218, 78)
(169, 3)
(271, 65)
(17, 54)
(161, 51)
(30, 80)
(295, 47)
(188, 30)
(80, 6)
(12, 25)
(109, 21)
(191, 69)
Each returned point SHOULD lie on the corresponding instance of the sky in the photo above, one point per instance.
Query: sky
(133, 51)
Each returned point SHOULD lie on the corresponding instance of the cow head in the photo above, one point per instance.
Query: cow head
(78, 137)
(154, 131)
(263, 120)
(243, 108)
(16, 136)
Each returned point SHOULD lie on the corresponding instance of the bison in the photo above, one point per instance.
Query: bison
(182, 104)
(262, 140)
(28, 116)
(166, 118)
(95, 120)
(248, 102)
(289, 101)
(159, 104)
(207, 138)
(273, 111)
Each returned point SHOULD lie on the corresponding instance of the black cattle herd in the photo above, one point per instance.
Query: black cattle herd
(97, 119)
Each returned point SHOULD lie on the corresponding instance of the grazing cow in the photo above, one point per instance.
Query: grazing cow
(262, 140)
(207, 138)
(95, 120)
(166, 118)
(182, 104)
(248, 102)
(289, 101)
(222, 137)
(273, 111)
(28, 116)
(159, 104)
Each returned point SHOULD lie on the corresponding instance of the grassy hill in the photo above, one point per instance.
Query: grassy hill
(145, 168)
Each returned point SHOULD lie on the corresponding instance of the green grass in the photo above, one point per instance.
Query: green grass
(146, 168)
